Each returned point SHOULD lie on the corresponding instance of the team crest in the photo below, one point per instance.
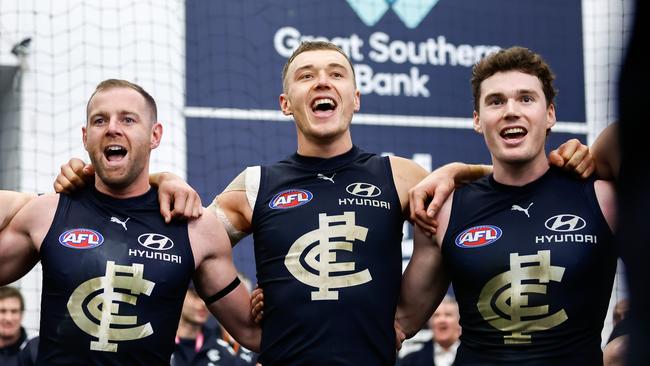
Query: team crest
(95, 306)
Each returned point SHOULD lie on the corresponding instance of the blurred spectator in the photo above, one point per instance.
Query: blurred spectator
(620, 311)
(197, 345)
(246, 357)
(13, 337)
(440, 350)
(616, 348)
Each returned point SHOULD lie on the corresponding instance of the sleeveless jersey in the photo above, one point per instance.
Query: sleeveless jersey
(327, 236)
(114, 280)
(532, 269)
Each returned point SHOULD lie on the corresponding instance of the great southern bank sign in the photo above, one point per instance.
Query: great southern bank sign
(378, 48)
(411, 57)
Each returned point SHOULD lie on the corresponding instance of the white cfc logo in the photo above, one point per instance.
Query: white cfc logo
(504, 300)
(321, 258)
(103, 303)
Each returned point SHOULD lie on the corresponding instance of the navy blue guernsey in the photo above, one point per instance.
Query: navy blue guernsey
(328, 252)
(532, 269)
(114, 280)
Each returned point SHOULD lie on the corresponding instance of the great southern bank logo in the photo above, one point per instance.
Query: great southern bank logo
(411, 12)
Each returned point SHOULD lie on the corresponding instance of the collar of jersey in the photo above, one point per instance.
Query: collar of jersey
(326, 164)
(151, 196)
(551, 172)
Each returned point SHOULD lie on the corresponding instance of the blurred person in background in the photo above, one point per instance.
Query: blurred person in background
(13, 337)
(440, 350)
(617, 344)
(196, 344)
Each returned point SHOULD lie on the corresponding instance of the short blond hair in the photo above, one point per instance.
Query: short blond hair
(118, 83)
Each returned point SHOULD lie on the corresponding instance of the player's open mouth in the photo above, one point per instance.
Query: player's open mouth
(115, 152)
(323, 105)
(511, 133)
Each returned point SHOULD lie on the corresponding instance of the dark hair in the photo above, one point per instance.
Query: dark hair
(117, 83)
(313, 46)
(7, 292)
(518, 59)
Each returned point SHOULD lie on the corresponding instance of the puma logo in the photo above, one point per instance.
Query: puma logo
(118, 221)
(519, 208)
(324, 177)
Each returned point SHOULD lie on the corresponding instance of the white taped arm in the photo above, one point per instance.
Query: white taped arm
(235, 210)
(233, 234)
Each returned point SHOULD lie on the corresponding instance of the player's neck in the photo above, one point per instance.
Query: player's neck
(325, 149)
(188, 330)
(519, 174)
(137, 188)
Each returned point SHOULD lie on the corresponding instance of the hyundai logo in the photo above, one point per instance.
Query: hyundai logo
(155, 241)
(363, 190)
(565, 222)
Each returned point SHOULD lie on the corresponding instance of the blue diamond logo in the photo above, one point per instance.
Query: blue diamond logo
(370, 11)
(410, 12)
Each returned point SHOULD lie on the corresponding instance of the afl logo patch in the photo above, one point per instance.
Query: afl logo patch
(478, 236)
(81, 239)
(290, 198)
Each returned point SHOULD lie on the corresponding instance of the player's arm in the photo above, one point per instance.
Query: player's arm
(406, 174)
(21, 239)
(602, 158)
(74, 175)
(606, 153)
(177, 198)
(10, 203)
(433, 190)
(436, 187)
(606, 196)
(217, 282)
(425, 281)
(234, 205)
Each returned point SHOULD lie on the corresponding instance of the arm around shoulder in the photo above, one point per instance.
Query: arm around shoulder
(10, 203)
(428, 196)
(406, 174)
(20, 241)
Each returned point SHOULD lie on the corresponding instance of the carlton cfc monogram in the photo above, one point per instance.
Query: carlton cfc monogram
(103, 303)
(522, 317)
(322, 257)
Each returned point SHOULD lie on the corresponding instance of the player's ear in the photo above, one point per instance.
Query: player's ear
(477, 122)
(357, 100)
(285, 105)
(550, 116)
(84, 136)
(156, 135)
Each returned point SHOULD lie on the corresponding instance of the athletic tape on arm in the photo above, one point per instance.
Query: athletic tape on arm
(248, 181)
